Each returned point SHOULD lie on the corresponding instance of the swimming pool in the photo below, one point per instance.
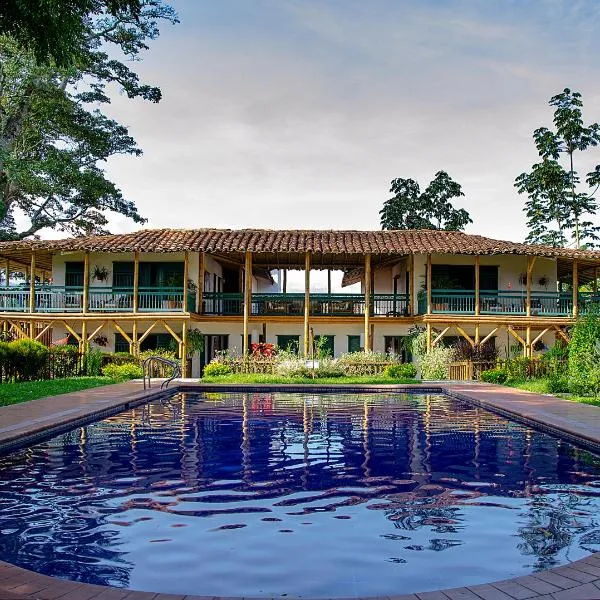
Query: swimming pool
(309, 495)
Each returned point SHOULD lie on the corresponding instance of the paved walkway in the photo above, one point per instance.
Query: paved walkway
(579, 580)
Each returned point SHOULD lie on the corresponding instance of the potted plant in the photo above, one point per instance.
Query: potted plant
(100, 273)
(174, 281)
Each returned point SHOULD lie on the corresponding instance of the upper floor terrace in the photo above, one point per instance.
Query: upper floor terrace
(202, 273)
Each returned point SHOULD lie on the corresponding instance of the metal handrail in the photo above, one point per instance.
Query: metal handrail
(165, 361)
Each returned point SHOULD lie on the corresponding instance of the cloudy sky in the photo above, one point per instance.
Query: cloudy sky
(299, 113)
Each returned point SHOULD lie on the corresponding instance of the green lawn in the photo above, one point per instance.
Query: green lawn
(262, 378)
(540, 386)
(12, 393)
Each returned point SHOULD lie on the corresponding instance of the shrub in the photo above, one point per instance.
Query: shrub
(328, 368)
(119, 358)
(217, 369)
(497, 375)
(28, 359)
(479, 353)
(583, 351)
(436, 364)
(292, 367)
(123, 372)
(92, 363)
(519, 367)
(558, 384)
(403, 371)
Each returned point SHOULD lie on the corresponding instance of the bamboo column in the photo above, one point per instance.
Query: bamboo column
(575, 289)
(428, 279)
(186, 276)
(200, 284)
(284, 281)
(429, 341)
(86, 282)
(530, 263)
(7, 272)
(368, 341)
(411, 285)
(247, 301)
(477, 286)
(133, 346)
(184, 347)
(83, 341)
(306, 303)
(32, 284)
(329, 282)
(528, 350)
(136, 281)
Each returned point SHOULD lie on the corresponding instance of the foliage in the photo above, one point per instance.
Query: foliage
(55, 30)
(123, 372)
(558, 383)
(363, 357)
(216, 369)
(436, 364)
(584, 351)
(263, 349)
(498, 375)
(292, 367)
(403, 371)
(479, 353)
(432, 209)
(53, 135)
(558, 352)
(100, 273)
(162, 352)
(195, 341)
(92, 362)
(253, 378)
(25, 359)
(321, 350)
(556, 210)
(12, 393)
(118, 358)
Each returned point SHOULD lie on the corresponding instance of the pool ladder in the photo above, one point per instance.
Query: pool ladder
(163, 361)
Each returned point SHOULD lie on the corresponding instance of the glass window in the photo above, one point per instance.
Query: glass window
(354, 343)
(289, 342)
(74, 274)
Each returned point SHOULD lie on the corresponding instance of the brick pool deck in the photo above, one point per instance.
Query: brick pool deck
(579, 580)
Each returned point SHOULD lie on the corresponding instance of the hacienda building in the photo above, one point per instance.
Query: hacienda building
(147, 289)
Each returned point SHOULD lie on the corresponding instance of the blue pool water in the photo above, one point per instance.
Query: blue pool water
(299, 495)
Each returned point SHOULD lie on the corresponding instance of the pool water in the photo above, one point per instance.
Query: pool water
(299, 495)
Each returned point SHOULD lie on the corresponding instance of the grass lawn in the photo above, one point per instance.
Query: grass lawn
(540, 386)
(12, 393)
(262, 378)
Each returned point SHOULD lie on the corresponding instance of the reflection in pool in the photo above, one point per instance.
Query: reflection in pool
(304, 495)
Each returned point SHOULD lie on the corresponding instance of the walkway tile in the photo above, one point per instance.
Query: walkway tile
(582, 592)
(555, 579)
(574, 574)
(432, 596)
(487, 592)
(461, 594)
(515, 590)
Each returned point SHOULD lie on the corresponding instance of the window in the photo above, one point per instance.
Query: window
(74, 274)
(397, 344)
(328, 344)
(154, 341)
(123, 274)
(289, 342)
(354, 343)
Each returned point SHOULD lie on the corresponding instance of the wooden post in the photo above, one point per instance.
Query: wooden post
(86, 282)
(368, 341)
(83, 341)
(136, 282)
(306, 303)
(530, 263)
(329, 282)
(429, 341)
(200, 284)
(186, 276)
(411, 285)
(184, 369)
(428, 279)
(528, 349)
(247, 301)
(133, 346)
(575, 289)
(284, 281)
(477, 334)
(32, 284)
(7, 272)
(477, 286)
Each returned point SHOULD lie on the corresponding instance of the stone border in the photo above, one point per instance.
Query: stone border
(579, 580)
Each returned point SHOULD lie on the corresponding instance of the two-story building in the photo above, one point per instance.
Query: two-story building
(148, 289)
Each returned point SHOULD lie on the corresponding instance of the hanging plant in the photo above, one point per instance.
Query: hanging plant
(100, 273)
(543, 281)
(195, 341)
(101, 340)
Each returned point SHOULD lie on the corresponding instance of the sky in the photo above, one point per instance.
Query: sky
(299, 113)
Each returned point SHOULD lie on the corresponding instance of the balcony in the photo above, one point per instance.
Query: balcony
(57, 299)
(335, 305)
(506, 302)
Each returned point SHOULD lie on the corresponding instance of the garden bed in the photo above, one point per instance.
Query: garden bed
(267, 378)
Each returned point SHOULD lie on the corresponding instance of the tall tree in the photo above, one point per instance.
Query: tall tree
(53, 135)
(432, 209)
(558, 210)
(56, 29)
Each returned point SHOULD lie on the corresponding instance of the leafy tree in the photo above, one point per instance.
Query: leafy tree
(56, 29)
(53, 135)
(557, 210)
(431, 209)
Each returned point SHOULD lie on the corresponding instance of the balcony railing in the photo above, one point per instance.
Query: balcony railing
(506, 302)
(59, 299)
(293, 304)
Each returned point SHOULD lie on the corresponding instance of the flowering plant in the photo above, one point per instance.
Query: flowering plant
(262, 349)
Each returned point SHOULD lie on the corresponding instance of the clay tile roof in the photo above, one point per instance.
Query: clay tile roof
(298, 241)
